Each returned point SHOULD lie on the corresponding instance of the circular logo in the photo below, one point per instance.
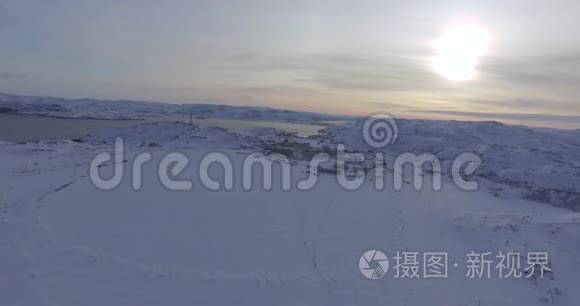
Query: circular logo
(380, 130)
(373, 264)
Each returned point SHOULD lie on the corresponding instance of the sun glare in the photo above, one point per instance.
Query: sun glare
(459, 49)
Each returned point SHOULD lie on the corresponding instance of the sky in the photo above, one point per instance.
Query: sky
(346, 57)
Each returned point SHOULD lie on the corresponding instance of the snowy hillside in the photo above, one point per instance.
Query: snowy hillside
(202, 111)
(541, 164)
(84, 108)
(102, 109)
(65, 242)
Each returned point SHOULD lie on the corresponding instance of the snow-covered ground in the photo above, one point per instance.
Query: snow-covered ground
(103, 109)
(84, 108)
(538, 164)
(66, 242)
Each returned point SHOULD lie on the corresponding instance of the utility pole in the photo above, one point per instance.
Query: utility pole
(182, 113)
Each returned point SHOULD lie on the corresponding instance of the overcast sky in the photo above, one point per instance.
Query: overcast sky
(330, 56)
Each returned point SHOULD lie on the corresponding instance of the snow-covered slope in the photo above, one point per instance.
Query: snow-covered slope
(260, 113)
(541, 164)
(103, 109)
(65, 242)
(84, 108)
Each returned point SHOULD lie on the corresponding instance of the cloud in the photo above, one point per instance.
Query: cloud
(548, 69)
(245, 56)
(348, 72)
(507, 116)
(12, 75)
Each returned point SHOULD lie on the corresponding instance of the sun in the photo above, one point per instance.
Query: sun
(458, 51)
